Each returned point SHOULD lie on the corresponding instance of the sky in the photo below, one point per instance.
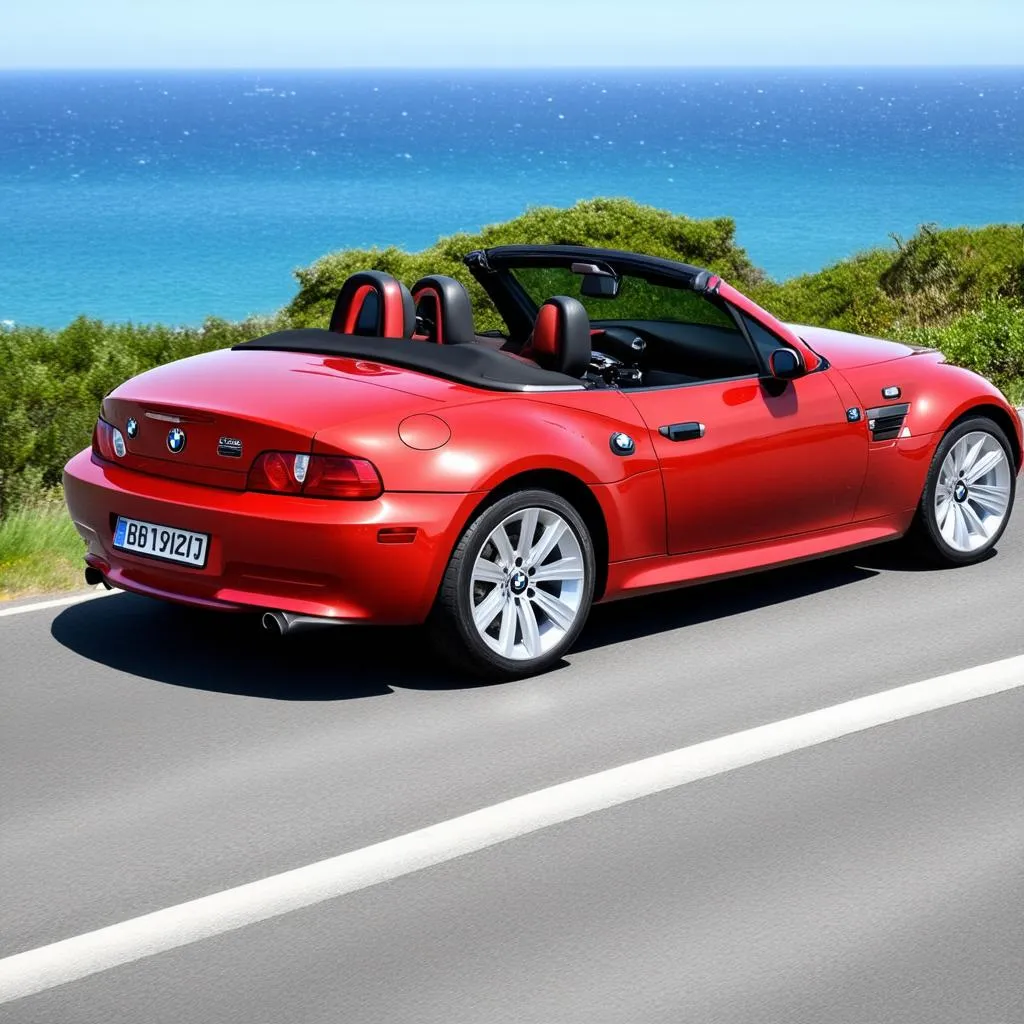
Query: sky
(506, 33)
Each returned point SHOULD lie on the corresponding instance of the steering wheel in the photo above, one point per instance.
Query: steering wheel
(626, 345)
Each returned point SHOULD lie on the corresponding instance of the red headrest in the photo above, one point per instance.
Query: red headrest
(561, 336)
(374, 304)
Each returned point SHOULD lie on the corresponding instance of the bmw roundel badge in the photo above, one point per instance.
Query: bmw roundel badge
(176, 441)
(622, 444)
(131, 427)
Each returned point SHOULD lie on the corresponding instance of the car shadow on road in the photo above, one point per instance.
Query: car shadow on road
(231, 654)
(704, 602)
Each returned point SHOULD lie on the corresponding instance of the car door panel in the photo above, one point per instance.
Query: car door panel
(743, 465)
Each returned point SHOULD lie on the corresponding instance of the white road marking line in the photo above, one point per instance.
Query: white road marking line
(57, 602)
(39, 969)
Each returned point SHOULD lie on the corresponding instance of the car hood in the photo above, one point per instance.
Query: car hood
(846, 351)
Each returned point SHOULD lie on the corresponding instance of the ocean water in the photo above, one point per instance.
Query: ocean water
(171, 196)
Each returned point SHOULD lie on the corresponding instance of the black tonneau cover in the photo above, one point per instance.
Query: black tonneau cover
(477, 366)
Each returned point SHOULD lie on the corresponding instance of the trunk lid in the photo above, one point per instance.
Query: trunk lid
(204, 419)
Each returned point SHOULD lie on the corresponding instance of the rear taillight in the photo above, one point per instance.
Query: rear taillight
(315, 476)
(108, 441)
(103, 440)
(330, 476)
(274, 472)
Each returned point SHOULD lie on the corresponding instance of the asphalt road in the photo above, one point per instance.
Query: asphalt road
(150, 755)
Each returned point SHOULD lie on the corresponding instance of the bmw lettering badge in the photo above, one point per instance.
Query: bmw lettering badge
(622, 444)
(853, 415)
(131, 427)
(230, 447)
(176, 441)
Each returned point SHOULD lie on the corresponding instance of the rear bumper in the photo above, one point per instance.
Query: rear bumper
(303, 555)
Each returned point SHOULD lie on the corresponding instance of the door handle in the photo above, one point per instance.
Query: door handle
(682, 431)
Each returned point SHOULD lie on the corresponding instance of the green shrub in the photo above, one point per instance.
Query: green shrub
(988, 340)
(938, 274)
(927, 280)
(961, 290)
(53, 382)
(845, 296)
(606, 223)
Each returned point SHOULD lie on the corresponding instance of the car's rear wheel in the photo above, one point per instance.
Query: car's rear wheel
(518, 587)
(968, 493)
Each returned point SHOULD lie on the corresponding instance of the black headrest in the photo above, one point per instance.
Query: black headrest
(443, 310)
(561, 336)
(374, 303)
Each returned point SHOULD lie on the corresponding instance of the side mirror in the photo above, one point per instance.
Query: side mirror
(785, 364)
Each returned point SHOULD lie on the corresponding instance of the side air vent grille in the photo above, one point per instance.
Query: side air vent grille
(886, 422)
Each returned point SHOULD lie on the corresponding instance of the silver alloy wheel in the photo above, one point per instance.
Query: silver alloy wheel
(527, 584)
(972, 493)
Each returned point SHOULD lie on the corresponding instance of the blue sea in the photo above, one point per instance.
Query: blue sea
(170, 196)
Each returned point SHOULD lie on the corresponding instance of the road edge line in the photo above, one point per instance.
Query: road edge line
(57, 602)
(58, 963)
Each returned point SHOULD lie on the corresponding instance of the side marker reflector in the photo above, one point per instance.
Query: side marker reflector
(397, 534)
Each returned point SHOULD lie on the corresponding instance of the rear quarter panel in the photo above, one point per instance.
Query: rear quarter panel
(504, 435)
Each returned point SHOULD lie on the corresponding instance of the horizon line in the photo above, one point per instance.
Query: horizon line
(518, 68)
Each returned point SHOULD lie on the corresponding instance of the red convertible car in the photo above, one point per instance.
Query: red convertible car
(638, 425)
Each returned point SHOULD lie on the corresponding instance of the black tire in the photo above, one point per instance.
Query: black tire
(925, 532)
(453, 630)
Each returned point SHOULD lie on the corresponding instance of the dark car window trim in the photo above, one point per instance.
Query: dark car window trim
(494, 270)
(690, 384)
(739, 318)
(508, 256)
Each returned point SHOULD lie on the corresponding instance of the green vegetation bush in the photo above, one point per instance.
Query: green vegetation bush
(606, 223)
(925, 281)
(989, 340)
(52, 384)
(960, 290)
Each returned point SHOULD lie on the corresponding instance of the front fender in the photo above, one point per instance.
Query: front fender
(938, 393)
(972, 391)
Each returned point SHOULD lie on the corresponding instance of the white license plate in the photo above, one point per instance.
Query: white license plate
(166, 542)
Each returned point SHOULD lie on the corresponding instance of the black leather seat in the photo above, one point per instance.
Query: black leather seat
(444, 313)
(374, 304)
(561, 337)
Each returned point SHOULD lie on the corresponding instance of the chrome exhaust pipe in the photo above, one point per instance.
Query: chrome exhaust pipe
(285, 623)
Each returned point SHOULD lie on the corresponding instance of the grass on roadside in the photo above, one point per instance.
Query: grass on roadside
(40, 550)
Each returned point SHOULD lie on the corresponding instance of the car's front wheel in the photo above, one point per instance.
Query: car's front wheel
(968, 493)
(518, 587)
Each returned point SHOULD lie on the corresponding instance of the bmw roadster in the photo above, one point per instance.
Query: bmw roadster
(639, 425)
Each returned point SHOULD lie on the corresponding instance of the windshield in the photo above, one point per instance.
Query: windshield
(638, 298)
